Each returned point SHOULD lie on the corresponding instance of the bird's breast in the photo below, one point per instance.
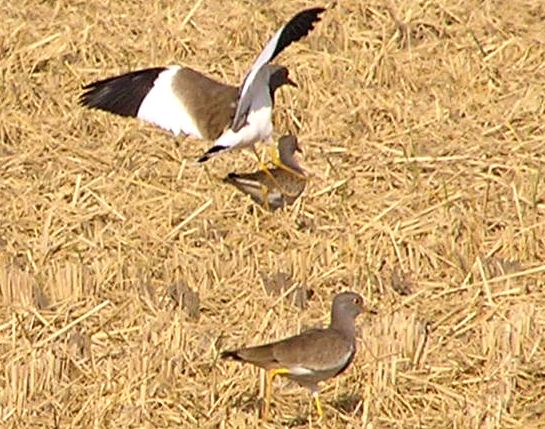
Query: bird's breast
(260, 120)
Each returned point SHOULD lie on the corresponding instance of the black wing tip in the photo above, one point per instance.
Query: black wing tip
(312, 14)
(297, 27)
(86, 99)
(315, 10)
(89, 102)
(122, 94)
(307, 19)
(86, 96)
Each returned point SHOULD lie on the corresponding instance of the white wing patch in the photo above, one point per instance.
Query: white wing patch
(301, 370)
(259, 127)
(163, 108)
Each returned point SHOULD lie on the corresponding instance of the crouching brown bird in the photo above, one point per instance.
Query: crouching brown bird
(278, 187)
(312, 356)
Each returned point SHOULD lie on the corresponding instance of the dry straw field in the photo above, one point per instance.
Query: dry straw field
(126, 268)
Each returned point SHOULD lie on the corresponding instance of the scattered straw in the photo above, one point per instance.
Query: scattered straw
(422, 128)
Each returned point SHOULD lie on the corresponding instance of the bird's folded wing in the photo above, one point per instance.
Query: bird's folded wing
(315, 350)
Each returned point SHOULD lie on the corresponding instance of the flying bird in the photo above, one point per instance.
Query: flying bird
(185, 101)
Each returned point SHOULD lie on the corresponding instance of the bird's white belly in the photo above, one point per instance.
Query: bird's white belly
(260, 121)
(301, 371)
(164, 108)
(258, 128)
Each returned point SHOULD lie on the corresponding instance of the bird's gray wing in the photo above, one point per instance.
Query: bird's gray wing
(250, 99)
(316, 349)
(296, 28)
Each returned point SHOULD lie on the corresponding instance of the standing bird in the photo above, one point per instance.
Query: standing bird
(312, 356)
(278, 187)
(185, 101)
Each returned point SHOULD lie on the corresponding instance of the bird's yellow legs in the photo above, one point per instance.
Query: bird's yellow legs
(268, 387)
(278, 163)
(260, 162)
(275, 158)
(263, 167)
(318, 404)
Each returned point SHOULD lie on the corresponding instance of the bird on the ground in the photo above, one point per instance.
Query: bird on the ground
(312, 356)
(278, 187)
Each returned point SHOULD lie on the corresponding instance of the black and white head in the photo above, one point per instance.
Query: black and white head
(296, 28)
(278, 76)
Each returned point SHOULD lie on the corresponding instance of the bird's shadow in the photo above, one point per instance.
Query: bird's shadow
(296, 421)
(347, 403)
(248, 403)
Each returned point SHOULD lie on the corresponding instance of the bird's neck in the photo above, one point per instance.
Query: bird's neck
(272, 90)
(291, 162)
(344, 325)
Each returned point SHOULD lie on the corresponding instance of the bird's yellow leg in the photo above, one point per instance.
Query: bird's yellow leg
(318, 404)
(262, 165)
(265, 169)
(300, 176)
(268, 388)
(265, 197)
(275, 158)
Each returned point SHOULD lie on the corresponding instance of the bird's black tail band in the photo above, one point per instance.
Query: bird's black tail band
(213, 151)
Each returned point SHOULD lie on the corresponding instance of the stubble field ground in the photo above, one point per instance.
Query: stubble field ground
(125, 268)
